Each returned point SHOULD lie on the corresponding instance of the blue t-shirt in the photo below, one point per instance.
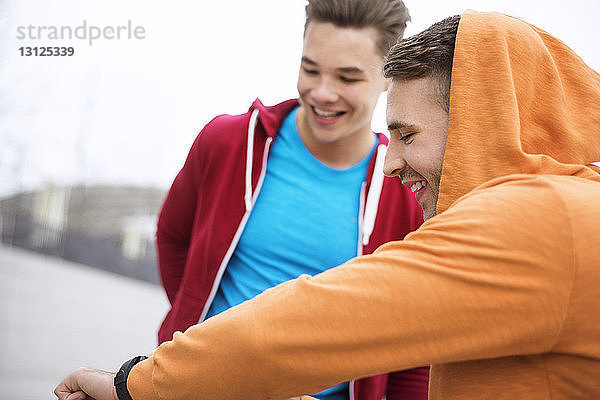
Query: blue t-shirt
(304, 221)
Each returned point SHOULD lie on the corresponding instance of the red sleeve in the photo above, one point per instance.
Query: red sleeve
(412, 384)
(175, 222)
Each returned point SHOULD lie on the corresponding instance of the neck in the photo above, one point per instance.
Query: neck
(340, 154)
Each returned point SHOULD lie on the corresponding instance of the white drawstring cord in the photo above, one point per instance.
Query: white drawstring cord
(374, 194)
(249, 155)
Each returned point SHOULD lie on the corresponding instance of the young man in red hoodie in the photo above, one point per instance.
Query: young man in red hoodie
(295, 188)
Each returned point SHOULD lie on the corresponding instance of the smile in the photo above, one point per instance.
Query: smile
(327, 114)
(418, 186)
(326, 117)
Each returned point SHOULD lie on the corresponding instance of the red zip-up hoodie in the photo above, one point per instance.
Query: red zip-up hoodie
(207, 207)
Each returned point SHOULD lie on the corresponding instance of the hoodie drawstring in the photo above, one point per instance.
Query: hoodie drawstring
(372, 203)
(374, 194)
(249, 155)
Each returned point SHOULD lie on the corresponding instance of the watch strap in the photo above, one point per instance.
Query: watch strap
(121, 376)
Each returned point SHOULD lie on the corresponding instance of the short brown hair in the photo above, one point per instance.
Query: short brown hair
(388, 17)
(428, 54)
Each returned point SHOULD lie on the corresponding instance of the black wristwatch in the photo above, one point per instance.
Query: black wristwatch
(121, 377)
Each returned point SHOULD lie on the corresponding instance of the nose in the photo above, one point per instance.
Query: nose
(325, 91)
(394, 160)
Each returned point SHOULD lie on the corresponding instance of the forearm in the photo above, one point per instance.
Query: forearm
(387, 312)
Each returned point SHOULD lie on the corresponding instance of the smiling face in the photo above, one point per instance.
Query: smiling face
(339, 83)
(418, 128)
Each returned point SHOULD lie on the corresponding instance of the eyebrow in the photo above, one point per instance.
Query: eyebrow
(346, 70)
(392, 126)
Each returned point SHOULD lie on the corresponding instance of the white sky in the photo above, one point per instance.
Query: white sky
(126, 111)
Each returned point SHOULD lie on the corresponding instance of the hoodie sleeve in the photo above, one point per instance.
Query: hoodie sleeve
(175, 222)
(482, 280)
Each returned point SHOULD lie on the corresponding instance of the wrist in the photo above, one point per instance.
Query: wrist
(114, 389)
(120, 378)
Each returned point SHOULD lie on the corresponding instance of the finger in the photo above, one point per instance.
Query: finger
(68, 385)
(79, 395)
(63, 390)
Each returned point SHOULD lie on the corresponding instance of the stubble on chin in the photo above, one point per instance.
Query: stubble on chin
(428, 214)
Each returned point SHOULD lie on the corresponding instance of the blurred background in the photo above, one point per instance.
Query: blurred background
(89, 145)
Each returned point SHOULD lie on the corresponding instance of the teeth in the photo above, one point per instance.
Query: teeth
(417, 185)
(325, 114)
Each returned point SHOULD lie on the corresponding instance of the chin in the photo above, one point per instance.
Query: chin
(325, 137)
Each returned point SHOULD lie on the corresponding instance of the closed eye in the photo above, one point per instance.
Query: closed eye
(310, 71)
(348, 80)
(407, 138)
(403, 131)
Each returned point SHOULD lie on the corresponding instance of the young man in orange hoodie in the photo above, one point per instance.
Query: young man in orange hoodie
(495, 126)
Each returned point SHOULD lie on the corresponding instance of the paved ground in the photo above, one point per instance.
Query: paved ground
(56, 316)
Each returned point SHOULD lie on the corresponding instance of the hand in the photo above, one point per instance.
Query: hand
(87, 384)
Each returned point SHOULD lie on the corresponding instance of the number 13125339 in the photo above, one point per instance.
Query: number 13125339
(46, 51)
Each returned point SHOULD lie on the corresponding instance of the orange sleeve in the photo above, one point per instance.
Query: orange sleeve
(139, 383)
(482, 280)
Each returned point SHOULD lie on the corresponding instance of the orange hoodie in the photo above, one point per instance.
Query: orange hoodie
(500, 291)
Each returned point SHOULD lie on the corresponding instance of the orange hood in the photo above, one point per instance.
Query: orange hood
(521, 102)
